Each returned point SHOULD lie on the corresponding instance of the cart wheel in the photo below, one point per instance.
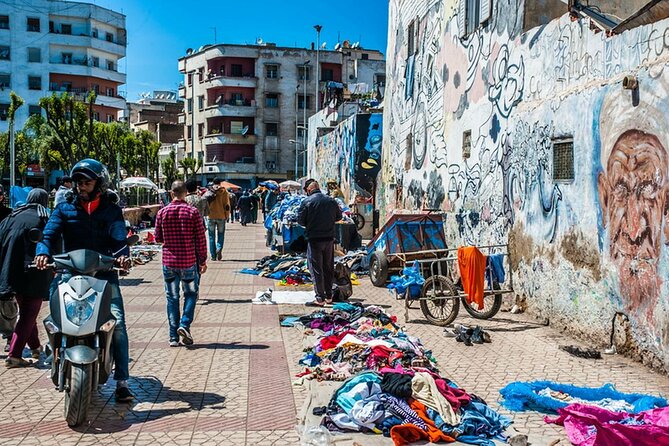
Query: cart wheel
(439, 300)
(359, 221)
(378, 268)
(491, 305)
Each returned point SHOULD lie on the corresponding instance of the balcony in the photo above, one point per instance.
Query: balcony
(81, 94)
(86, 41)
(82, 67)
(230, 138)
(182, 91)
(231, 81)
(240, 167)
(244, 111)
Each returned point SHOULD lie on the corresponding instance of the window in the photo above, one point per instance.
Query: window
(380, 80)
(300, 134)
(303, 73)
(34, 110)
(4, 111)
(65, 29)
(271, 129)
(200, 131)
(272, 71)
(4, 22)
(411, 33)
(94, 32)
(190, 78)
(66, 58)
(96, 89)
(5, 81)
(34, 55)
(189, 131)
(365, 56)
(200, 103)
(96, 116)
(327, 74)
(472, 14)
(236, 127)
(4, 52)
(236, 70)
(66, 86)
(109, 37)
(110, 65)
(34, 82)
(33, 24)
(271, 100)
(563, 160)
(301, 104)
(110, 92)
(110, 118)
(95, 61)
(189, 105)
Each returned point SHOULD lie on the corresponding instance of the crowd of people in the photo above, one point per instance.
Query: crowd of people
(86, 215)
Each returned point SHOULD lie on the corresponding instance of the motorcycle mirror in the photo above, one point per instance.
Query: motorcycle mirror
(132, 240)
(35, 235)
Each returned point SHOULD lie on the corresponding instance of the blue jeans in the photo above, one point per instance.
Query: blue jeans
(216, 235)
(190, 281)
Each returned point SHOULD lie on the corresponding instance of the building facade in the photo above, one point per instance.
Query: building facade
(49, 46)
(247, 106)
(543, 125)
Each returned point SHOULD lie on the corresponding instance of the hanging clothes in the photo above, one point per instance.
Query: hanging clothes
(495, 269)
(472, 269)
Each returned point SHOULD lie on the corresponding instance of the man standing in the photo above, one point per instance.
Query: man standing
(63, 191)
(194, 199)
(179, 227)
(318, 214)
(219, 210)
(233, 206)
(245, 206)
(90, 220)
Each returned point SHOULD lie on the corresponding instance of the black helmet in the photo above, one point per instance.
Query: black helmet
(90, 169)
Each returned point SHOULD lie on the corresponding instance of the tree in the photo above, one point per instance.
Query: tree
(147, 151)
(189, 165)
(15, 102)
(68, 118)
(46, 145)
(110, 139)
(170, 172)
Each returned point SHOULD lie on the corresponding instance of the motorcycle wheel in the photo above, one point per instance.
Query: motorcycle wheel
(78, 397)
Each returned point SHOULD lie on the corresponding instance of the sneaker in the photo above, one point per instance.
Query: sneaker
(174, 343)
(219, 254)
(477, 335)
(264, 299)
(14, 363)
(186, 337)
(123, 395)
(36, 353)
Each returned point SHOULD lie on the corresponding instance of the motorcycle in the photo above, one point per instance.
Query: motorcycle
(80, 328)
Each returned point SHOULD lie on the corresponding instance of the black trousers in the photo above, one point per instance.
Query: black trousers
(320, 258)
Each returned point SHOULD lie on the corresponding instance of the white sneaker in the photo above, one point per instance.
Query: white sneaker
(264, 298)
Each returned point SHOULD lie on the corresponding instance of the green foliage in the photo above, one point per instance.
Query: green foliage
(190, 166)
(170, 172)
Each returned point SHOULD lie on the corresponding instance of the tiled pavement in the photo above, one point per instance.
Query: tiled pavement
(233, 386)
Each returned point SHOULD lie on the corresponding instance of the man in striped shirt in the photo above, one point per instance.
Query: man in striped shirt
(180, 229)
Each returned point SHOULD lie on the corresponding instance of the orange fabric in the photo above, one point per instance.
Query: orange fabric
(472, 271)
(90, 206)
(404, 434)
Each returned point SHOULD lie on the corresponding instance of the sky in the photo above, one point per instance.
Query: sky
(159, 32)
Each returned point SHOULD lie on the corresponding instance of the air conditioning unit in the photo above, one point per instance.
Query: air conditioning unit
(212, 168)
(270, 165)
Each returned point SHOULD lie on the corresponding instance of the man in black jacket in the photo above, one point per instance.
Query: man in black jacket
(318, 214)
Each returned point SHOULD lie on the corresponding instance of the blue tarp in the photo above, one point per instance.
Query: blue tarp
(18, 195)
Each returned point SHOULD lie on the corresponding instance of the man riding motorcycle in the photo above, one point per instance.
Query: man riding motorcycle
(90, 219)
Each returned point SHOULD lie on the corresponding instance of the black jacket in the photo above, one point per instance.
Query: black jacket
(318, 214)
(17, 252)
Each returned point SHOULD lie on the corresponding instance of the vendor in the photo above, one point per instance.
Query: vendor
(146, 217)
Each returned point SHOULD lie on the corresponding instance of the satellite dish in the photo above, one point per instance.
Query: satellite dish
(259, 41)
(245, 130)
(324, 44)
(189, 51)
(337, 46)
(346, 44)
(355, 45)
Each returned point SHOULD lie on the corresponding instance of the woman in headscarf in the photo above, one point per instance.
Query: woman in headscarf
(245, 206)
(29, 286)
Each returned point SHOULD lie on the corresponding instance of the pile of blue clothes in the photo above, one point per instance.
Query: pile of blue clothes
(411, 280)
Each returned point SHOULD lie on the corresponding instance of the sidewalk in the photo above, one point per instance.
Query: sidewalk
(233, 387)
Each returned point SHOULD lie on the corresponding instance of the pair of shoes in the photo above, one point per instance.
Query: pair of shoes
(464, 334)
(186, 337)
(219, 254)
(35, 353)
(213, 259)
(450, 332)
(264, 299)
(174, 343)
(477, 335)
(123, 394)
(14, 363)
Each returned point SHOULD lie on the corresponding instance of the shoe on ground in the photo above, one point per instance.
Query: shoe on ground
(219, 254)
(174, 343)
(264, 299)
(450, 332)
(186, 337)
(14, 363)
(123, 395)
(477, 335)
(36, 353)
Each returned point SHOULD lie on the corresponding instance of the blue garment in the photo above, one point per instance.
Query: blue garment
(388, 424)
(495, 269)
(521, 396)
(216, 229)
(478, 424)
(289, 321)
(251, 271)
(189, 280)
(345, 401)
(344, 306)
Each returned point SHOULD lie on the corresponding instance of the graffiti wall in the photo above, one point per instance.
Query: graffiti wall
(350, 155)
(471, 128)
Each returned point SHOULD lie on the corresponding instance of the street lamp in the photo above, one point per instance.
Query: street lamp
(318, 66)
(297, 156)
(304, 110)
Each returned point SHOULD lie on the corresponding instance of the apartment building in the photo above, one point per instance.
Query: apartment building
(51, 46)
(247, 106)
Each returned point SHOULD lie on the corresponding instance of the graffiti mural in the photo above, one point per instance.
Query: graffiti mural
(600, 237)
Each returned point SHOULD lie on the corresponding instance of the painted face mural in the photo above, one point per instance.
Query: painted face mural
(633, 190)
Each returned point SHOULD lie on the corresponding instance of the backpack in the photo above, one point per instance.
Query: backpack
(210, 196)
(9, 312)
(342, 287)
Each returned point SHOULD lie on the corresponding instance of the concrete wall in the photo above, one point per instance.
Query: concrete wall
(584, 249)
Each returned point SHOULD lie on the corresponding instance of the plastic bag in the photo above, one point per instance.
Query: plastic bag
(314, 435)
(410, 279)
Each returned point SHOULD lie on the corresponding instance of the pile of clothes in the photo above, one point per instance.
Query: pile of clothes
(286, 267)
(592, 416)
(356, 261)
(391, 383)
(142, 254)
(409, 284)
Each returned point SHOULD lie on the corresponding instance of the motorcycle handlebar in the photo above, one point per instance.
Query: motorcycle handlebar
(53, 266)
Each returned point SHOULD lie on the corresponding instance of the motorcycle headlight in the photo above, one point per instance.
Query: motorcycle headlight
(79, 311)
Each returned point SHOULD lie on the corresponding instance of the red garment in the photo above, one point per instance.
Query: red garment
(472, 271)
(380, 356)
(180, 229)
(90, 206)
(455, 397)
(329, 342)
(407, 433)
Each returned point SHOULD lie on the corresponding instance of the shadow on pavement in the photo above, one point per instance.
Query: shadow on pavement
(227, 346)
(149, 393)
(223, 301)
(133, 282)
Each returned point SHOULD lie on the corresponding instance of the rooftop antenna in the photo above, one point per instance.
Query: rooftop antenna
(323, 45)
(259, 41)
